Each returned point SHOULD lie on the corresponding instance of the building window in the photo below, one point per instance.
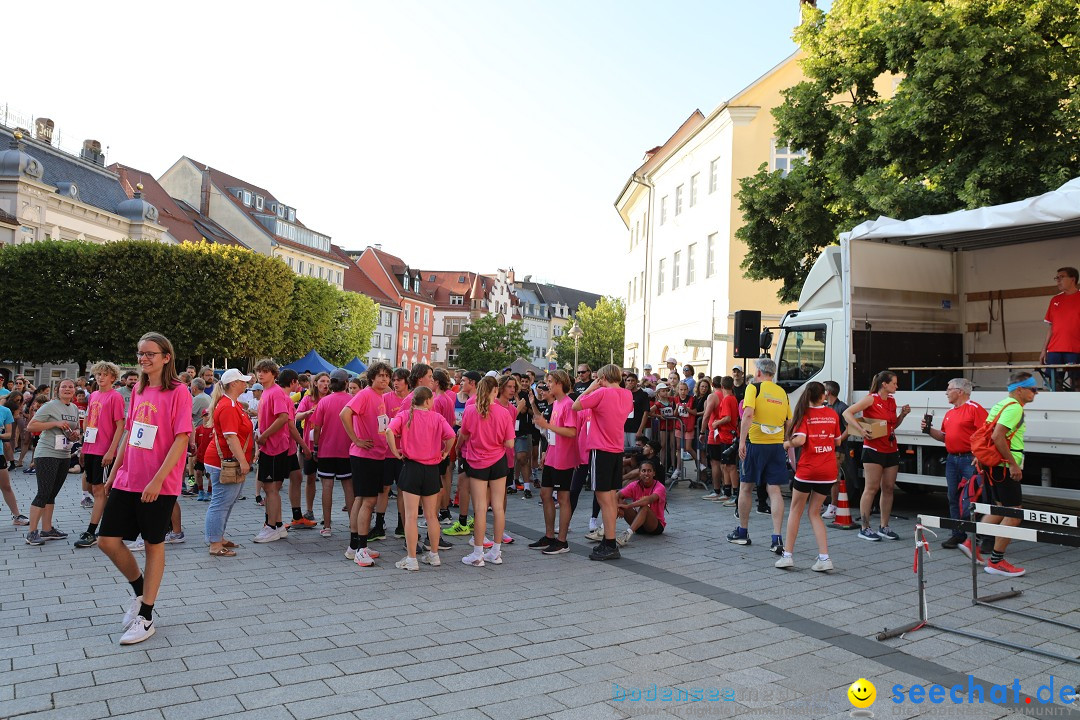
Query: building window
(663, 210)
(290, 263)
(301, 269)
(259, 202)
(693, 189)
(416, 284)
(247, 198)
(416, 315)
(311, 270)
(660, 277)
(415, 342)
(281, 211)
(408, 310)
(714, 175)
(404, 341)
(675, 265)
(690, 274)
(405, 282)
(427, 317)
(641, 284)
(783, 157)
(457, 299)
(320, 272)
(292, 215)
(424, 341)
(375, 340)
(678, 200)
(389, 344)
(710, 258)
(386, 319)
(629, 292)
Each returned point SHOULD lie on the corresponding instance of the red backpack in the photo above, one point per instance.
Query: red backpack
(982, 442)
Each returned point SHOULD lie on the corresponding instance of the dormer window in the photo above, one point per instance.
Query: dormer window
(405, 282)
(416, 284)
(281, 211)
(292, 215)
(259, 202)
(247, 198)
(457, 299)
(461, 278)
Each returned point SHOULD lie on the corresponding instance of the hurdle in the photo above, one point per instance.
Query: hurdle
(989, 530)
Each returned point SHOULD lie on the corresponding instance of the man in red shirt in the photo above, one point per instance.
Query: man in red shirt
(1063, 317)
(957, 427)
(721, 424)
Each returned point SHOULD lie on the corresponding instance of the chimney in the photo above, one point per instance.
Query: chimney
(204, 193)
(43, 130)
(91, 151)
(377, 246)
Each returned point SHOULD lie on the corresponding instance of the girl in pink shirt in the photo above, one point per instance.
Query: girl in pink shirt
(487, 432)
(320, 388)
(561, 460)
(421, 439)
(508, 401)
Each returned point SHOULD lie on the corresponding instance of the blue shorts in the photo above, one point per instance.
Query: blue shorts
(765, 464)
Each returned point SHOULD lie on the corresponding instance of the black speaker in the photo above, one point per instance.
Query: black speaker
(747, 333)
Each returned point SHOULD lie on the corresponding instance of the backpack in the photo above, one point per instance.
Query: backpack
(982, 442)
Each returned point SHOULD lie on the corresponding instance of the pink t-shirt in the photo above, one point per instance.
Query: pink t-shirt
(610, 407)
(368, 407)
(422, 439)
(333, 440)
(444, 405)
(159, 415)
(395, 405)
(307, 403)
(105, 412)
(634, 492)
(487, 436)
(512, 410)
(583, 420)
(562, 452)
(273, 402)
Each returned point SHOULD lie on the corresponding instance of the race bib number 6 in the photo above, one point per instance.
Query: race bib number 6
(142, 435)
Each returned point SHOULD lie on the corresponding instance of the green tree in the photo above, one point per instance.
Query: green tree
(603, 334)
(487, 344)
(313, 311)
(350, 334)
(985, 111)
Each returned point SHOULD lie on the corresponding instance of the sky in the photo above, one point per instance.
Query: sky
(458, 134)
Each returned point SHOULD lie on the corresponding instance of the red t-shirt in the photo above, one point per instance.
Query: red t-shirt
(1063, 314)
(881, 410)
(684, 421)
(230, 418)
(665, 414)
(817, 463)
(725, 434)
(959, 423)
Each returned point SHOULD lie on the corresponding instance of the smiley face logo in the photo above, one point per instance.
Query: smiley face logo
(862, 693)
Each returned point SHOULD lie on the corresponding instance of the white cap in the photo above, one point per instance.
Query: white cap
(256, 386)
(232, 375)
(648, 366)
(662, 386)
(491, 373)
(673, 361)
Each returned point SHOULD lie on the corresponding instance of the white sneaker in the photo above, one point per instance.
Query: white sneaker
(446, 521)
(493, 557)
(173, 538)
(363, 559)
(829, 513)
(136, 545)
(474, 558)
(676, 476)
(595, 535)
(282, 532)
(702, 468)
(132, 612)
(267, 534)
(350, 553)
(139, 630)
(687, 457)
(507, 540)
(407, 563)
(487, 543)
(784, 562)
(430, 558)
(714, 496)
(822, 565)
(326, 532)
(623, 538)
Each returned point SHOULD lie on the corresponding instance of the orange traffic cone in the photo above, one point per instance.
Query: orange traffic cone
(843, 512)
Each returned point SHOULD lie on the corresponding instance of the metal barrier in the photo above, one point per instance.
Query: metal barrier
(988, 530)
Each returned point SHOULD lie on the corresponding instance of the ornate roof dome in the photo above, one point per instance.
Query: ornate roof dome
(16, 163)
(136, 209)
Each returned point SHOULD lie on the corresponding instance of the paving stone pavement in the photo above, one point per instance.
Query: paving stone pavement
(293, 630)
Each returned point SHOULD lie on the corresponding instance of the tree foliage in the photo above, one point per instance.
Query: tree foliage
(486, 344)
(603, 338)
(350, 332)
(985, 111)
(313, 310)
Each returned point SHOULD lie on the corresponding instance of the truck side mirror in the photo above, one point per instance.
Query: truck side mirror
(765, 340)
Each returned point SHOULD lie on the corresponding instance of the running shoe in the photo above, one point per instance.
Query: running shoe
(309, 516)
(445, 519)
(302, 524)
(738, 536)
(363, 558)
(507, 539)
(20, 520)
(777, 545)
(259, 500)
(952, 543)
(623, 538)
(822, 565)
(487, 544)
(868, 534)
(557, 547)
(326, 532)
(267, 535)
(713, 496)
(432, 559)
(887, 534)
(282, 532)
(132, 612)
(34, 538)
(965, 547)
(173, 538)
(457, 529)
(350, 553)
(541, 543)
(595, 535)
(528, 494)
(86, 540)
(399, 532)
(443, 545)
(136, 545)
(87, 501)
(829, 513)
(785, 562)
(764, 510)
(407, 563)
(53, 533)
(604, 551)
(1004, 567)
(379, 533)
(730, 501)
(494, 557)
(139, 630)
(474, 558)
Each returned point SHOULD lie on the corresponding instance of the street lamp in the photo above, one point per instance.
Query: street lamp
(577, 333)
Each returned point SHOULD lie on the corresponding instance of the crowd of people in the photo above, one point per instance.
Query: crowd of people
(141, 440)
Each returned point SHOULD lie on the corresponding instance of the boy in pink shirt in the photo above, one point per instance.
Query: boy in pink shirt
(562, 458)
(101, 440)
(276, 439)
(333, 464)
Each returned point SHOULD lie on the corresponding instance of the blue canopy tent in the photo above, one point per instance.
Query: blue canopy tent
(356, 366)
(313, 362)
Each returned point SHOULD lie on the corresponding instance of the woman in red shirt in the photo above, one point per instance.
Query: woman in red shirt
(232, 438)
(881, 455)
(816, 429)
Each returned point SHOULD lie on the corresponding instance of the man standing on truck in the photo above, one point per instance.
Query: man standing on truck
(957, 426)
(766, 414)
(1062, 345)
(1004, 478)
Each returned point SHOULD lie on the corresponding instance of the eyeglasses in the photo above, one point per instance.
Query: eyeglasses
(148, 355)
(583, 372)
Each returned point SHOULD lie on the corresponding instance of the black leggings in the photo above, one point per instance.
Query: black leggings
(580, 475)
(51, 474)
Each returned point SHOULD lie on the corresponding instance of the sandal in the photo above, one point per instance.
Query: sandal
(223, 552)
(229, 544)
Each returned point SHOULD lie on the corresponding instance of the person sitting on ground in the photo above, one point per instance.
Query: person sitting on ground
(642, 503)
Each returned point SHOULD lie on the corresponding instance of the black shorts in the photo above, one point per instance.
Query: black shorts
(498, 471)
(199, 466)
(311, 465)
(419, 479)
(1003, 490)
(127, 516)
(606, 470)
(367, 476)
(275, 468)
(95, 471)
(444, 465)
(885, 460)
(3, 458)
(719, 453)
(658, 531)
(391, 471)
(557, 479)
(335, 468)
(821, 488)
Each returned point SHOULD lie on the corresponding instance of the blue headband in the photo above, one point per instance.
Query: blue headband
(1029, 382)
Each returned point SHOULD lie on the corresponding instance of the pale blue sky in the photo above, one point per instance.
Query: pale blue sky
(460, 135)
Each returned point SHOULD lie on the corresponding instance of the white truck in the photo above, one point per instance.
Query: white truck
(938, 297)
